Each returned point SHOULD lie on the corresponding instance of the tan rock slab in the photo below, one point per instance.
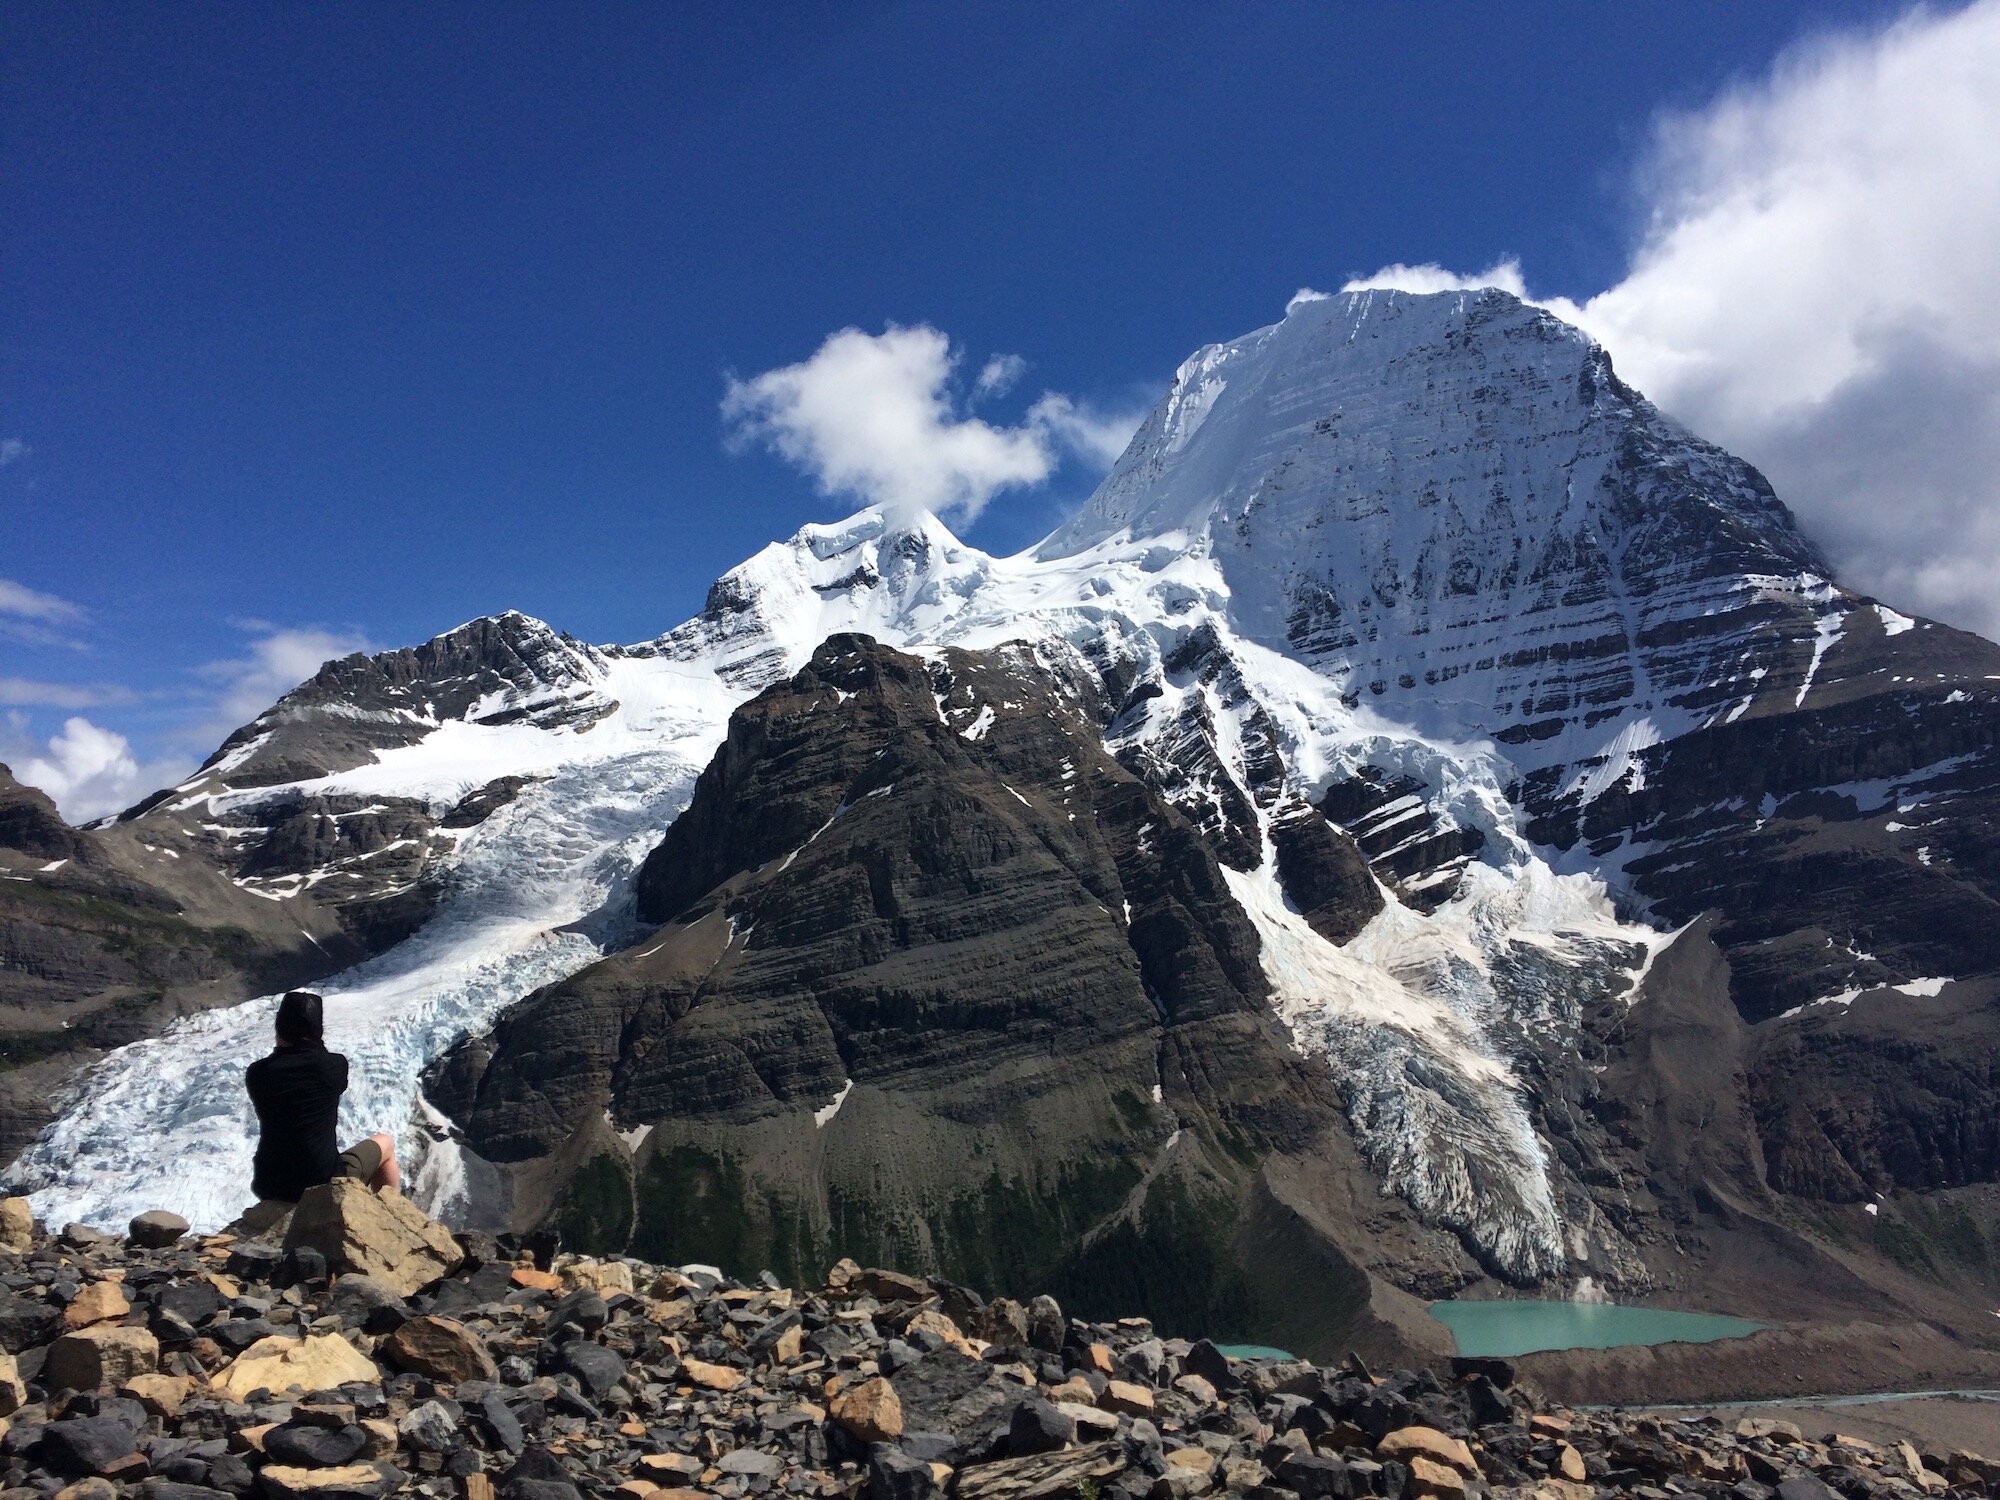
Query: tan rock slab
(1245, 1474)
(683, 1464)
(635, 1489)
(671, 1313)
(1569, 1464)
(1091, 1422)
(1927, 1480)
(932, 1321)
(17, 1225)
(93, 1488)
(107, 1355)
(1543, 1425)
(668, 1285)
(13, 1391)
(1766, 1427)
(161, 1395)
(602, 1276)
(1098, 1358)
(1197, 1390)
(1190, 1471)
(1123, 1395)
(477, 1487)
(841, 1277)
(1431, 1480)
(440, 1348)
(382, 1235)
(317, 1362)
(788, 1346)
(1407, 1443)
(99, 1302)
(1075, 1389)
(283, 1482)
(382, 1437)
(870, 1411)
(712, 1377)
(536, 1281)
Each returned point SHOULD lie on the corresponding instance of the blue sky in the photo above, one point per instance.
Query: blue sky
(333, 324)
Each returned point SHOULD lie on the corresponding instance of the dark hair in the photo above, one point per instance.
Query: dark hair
(300, 1018)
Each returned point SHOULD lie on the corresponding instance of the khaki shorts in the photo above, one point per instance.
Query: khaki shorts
(361, 1161)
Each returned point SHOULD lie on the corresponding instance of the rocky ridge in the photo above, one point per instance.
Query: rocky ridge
(303, 1364)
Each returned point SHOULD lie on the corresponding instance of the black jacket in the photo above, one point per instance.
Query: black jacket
(297, 1093)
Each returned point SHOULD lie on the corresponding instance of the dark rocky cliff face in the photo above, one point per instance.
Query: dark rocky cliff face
(937, 978)
(1845, 831)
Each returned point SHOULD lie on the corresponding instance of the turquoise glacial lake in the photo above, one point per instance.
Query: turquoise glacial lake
(1503, 1329)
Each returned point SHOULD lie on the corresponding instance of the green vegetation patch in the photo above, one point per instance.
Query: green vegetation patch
(1173, 1265)
(691, 1208)
(595, 1215)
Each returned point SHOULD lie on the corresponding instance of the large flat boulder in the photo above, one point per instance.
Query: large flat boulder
(317, 1362)
(107, 1355)
(380, 1235)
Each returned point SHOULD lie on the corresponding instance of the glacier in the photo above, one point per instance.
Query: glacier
(1426, 539)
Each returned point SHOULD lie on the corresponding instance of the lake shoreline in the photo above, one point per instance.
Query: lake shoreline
(1933, 1422)
(1510, 1329)
(1777, 1363)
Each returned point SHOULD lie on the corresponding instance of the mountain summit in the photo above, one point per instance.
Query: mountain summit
(1429, 824)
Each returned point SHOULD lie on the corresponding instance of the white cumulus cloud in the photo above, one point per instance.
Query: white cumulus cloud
(998, 376)
(19, 600)
(1094, 436)
(1816, 289)
(873, 416)
(277, 661)
(88, 771)
(28, 692)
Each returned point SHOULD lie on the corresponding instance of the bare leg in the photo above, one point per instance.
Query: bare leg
(388, 1175)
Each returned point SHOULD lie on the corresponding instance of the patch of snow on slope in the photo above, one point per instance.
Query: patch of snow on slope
(1826, 636)
(823, 1116)
(1621, 760)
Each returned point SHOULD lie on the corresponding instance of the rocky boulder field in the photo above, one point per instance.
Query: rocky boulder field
(358, 1350)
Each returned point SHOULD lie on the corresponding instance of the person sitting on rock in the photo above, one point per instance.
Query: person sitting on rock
(297, 1093)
